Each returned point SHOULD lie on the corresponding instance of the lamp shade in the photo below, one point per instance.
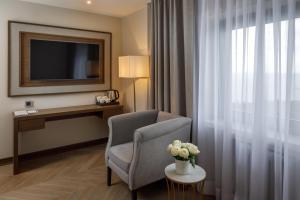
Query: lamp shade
(134, 66)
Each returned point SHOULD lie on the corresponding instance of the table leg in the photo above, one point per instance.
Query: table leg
(174, 190)
(16, 148)
(183, 194)
(178, 189)
(169, 198)
(194, 188)
(202, 189)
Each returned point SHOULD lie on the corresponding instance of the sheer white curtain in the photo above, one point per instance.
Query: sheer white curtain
(247, 91)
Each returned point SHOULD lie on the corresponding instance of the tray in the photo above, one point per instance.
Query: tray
(108, 104)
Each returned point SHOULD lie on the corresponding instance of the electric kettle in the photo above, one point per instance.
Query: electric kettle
(113, 95)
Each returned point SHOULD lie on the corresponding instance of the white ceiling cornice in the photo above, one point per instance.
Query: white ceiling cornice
(116, 8)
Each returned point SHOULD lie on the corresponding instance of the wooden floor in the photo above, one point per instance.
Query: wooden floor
(74, 175)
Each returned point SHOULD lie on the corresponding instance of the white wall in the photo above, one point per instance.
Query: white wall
(135, 42)
(59, 132)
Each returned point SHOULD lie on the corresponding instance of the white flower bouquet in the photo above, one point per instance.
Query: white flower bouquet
(183, 151)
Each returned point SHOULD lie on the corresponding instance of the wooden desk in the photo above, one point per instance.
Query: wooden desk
(37, 121)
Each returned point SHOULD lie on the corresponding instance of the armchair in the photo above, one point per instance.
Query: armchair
(136, 149)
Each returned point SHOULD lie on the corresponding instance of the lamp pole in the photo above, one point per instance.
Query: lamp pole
(134, 96)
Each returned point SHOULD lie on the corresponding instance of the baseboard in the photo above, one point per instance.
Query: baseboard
(37, 154)
(5, 161)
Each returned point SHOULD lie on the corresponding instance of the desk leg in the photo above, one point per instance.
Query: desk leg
(16, 148)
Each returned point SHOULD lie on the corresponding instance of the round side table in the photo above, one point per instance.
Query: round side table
(179, 185)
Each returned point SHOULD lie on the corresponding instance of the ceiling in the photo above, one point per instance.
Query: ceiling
(117, 8)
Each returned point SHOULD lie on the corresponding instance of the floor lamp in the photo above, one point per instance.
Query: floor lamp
(134, 67)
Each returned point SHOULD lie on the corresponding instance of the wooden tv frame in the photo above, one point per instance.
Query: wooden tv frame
(17, 88)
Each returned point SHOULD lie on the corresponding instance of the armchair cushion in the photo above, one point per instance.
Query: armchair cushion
(121, 155)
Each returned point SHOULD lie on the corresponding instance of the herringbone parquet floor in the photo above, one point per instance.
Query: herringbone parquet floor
(74, 175)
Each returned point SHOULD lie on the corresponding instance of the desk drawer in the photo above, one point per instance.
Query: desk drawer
(31, 124)
(108, 113)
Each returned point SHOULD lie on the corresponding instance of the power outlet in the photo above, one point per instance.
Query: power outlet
(29, 104)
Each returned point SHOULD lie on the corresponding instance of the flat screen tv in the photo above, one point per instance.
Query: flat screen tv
(61, 60)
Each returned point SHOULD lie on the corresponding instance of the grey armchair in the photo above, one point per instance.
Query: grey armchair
(136, 149)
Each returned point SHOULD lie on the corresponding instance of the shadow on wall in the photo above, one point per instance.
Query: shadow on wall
(127, 96)
(141, 89)
(125, 103)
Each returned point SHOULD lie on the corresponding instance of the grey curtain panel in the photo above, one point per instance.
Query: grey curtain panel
(171, 43)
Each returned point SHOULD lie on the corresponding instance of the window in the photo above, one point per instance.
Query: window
(275, 76)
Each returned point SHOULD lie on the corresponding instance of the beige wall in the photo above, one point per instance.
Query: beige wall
(135, 42)
(60, 132)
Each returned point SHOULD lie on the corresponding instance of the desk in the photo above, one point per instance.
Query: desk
(37, 121)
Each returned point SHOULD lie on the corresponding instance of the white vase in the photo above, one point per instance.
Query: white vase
(182, 167)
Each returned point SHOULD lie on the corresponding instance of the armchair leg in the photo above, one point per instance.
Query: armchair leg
(108, 176)
(134, 195)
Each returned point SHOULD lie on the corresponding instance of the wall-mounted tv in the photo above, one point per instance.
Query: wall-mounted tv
(60, 60)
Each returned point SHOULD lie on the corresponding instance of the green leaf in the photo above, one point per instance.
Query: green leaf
(193, 162)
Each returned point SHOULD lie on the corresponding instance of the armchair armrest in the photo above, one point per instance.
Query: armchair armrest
(150, 156)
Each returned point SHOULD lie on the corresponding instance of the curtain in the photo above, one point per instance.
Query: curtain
(171, 39)
(247, 97)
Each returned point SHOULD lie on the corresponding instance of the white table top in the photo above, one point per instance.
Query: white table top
(197, 175)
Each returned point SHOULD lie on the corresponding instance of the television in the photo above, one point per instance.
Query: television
(61, 60)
